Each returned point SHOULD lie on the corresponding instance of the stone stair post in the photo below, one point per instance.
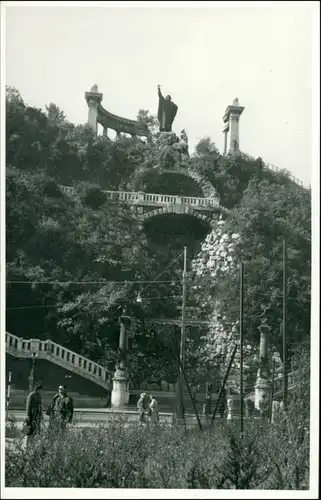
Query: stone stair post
(120, 392)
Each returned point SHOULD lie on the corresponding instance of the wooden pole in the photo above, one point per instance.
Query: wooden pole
(190, 392)
(272, 390)
(180, 385)
(241, 345)
(284, 325)
(223, 384)
(8, 394)
(183, 331)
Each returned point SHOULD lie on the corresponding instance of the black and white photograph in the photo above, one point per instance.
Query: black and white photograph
(160, 211)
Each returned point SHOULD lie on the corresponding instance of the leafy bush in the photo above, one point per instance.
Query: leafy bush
(91, 195)
(123, 455)
(12, 430)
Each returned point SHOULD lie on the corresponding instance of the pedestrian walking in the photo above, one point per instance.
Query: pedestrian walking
(143, 407)
(61, 410)
(153, 410)
(32, 424)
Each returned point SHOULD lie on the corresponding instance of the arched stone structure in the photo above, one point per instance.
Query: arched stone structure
(203, 184)
(178, 210)
(98, 114)
(206, 187)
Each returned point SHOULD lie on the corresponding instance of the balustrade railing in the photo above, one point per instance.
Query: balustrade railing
(284, 172)
(47, 349)
(153, 199)
(294, 378)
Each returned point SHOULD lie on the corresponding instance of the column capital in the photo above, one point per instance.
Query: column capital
(93, 97)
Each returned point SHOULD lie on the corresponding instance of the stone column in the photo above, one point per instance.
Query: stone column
(225, 143)
(120, 392)
(105, 131)
(226, 129)
(262, 386)
(93, 99)
(231, 119)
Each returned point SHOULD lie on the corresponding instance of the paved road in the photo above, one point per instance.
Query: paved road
(89, 416)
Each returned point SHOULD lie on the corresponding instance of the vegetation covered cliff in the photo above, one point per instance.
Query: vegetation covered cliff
(73, 263)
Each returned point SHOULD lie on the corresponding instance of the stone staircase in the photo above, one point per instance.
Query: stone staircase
(55, 353)
(84, 367)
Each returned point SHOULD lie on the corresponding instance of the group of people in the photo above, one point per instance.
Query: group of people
(60, 411)
(148, 409)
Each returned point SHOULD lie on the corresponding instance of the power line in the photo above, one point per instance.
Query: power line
(166, 268)
(61, 305)
(89, 282)
(149, 282)
(124, 300)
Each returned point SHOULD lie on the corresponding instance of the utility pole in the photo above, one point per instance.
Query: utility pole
(180, 384)
(272, 391)
(8, 394)
(241, 345)
(223, 384)
(284, 325)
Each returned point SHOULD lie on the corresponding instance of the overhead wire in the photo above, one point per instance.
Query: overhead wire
(87, 282)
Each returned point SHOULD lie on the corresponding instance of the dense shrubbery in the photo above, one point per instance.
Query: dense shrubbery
(162, 457)
(122, 455)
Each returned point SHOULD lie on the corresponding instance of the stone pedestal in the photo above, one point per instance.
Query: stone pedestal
(120, 392)
(262, 391)
(276, 409)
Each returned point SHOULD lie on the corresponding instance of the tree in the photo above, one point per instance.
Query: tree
(150, 122)
(268, 213)
(64, 240)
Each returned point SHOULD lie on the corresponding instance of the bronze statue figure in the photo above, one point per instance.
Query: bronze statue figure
(167, 111)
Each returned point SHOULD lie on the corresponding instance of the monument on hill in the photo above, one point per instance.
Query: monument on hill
(231, 120)
(167, 111)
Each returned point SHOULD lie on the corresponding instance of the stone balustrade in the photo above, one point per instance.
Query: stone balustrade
(294, 378)
(46, 349)
(154, 200)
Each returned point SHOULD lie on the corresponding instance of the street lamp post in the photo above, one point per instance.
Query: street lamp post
(262, 386)
(120, 392)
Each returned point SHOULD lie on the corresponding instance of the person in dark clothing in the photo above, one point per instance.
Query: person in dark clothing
(34, 413)
(143, 407)
(61, 410)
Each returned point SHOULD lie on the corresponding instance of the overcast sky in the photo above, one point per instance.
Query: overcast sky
(203, 57)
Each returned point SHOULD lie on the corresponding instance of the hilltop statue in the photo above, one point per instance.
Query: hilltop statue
(167, 111)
